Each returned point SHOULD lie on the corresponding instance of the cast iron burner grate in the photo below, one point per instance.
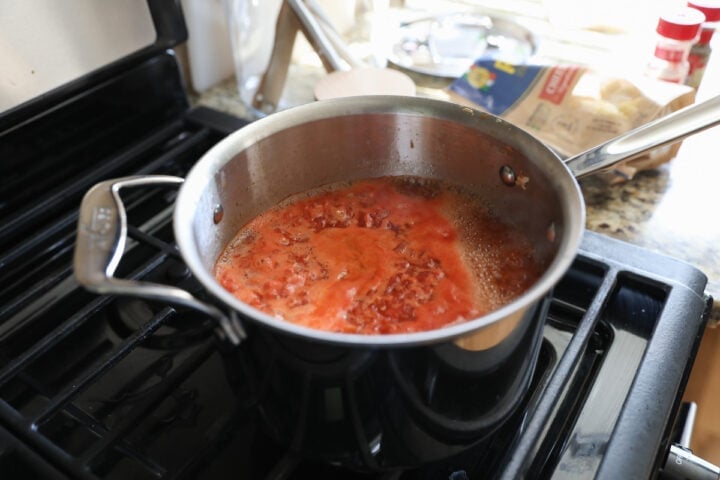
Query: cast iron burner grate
(97, 387)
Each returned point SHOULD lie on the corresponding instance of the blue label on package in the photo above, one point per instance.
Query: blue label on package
(495, 85)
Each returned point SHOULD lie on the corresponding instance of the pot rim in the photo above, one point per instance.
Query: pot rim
(203, 173)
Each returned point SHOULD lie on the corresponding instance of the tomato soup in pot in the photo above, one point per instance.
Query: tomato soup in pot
(378, 256)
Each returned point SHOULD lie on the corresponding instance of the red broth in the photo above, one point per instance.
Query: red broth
(378, 256)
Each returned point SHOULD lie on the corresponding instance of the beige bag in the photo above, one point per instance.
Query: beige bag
(571, 108)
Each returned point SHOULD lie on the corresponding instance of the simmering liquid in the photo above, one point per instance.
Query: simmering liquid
(378, 256)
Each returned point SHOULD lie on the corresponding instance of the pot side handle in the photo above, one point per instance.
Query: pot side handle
(100, 244)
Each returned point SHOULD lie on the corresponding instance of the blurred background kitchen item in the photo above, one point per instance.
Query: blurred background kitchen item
(430, 40)
(251, 25)
(35, 61)
(347, 75)
(208, 46)
(701, 50)
(677, 32)
(438, 49)
(319, 37)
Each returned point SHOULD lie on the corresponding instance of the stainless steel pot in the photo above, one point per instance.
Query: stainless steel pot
(359, 137)
(253, 169)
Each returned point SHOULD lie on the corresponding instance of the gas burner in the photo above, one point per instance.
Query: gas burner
(180, 327)
(180, 330)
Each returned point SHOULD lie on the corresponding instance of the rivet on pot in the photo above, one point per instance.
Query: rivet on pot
(551, 235)
(218, 213)
(507, 175)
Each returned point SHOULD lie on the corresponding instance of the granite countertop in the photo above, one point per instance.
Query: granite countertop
(672, 209)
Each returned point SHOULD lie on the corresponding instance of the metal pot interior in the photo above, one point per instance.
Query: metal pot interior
(360, 137)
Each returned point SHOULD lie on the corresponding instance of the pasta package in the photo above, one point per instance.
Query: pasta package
(572, 108)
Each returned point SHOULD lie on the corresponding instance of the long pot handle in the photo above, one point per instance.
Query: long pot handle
(100, 244)
(668, 129)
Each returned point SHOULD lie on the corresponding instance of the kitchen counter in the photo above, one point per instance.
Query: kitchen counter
(673, 209)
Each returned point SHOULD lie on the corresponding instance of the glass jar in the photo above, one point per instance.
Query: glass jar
(700, 52)
(677, 31)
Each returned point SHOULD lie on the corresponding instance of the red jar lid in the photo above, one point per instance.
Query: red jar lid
(711, 9)
(680, 24)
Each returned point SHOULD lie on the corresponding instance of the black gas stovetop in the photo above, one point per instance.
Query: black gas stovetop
(96, 387)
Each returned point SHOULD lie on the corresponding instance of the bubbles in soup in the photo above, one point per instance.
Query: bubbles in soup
(378, 256)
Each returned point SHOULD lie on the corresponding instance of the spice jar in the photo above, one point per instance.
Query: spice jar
(677, 31)
(700, 52)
